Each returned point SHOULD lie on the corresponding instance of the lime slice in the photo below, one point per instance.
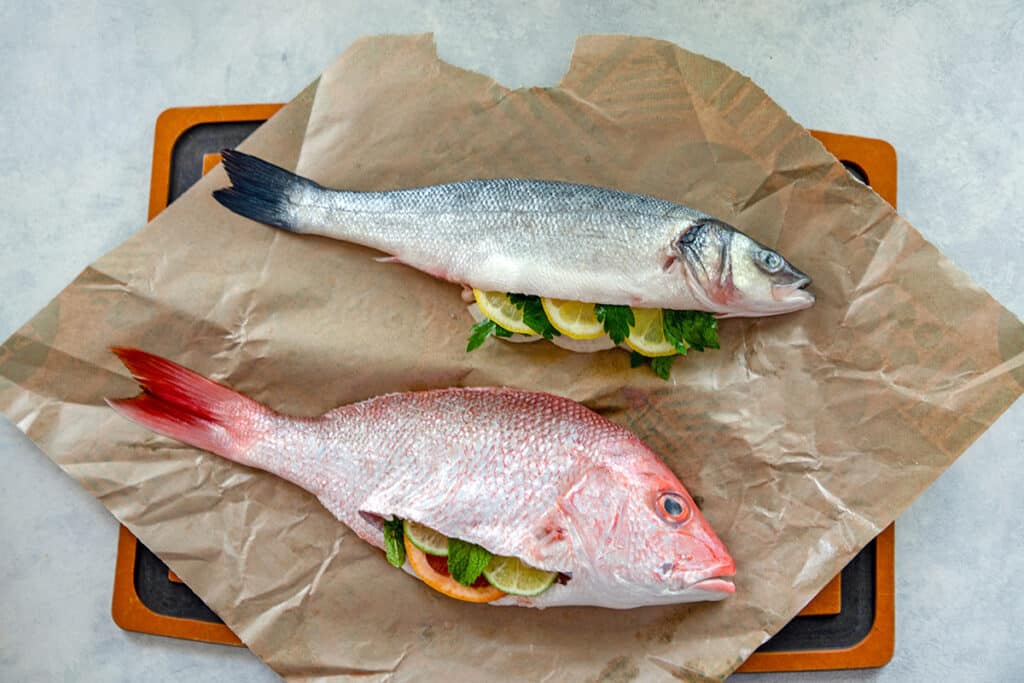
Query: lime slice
(427, 540)
(574, 319)
(499, 308)
(647, 335)
(513, 576)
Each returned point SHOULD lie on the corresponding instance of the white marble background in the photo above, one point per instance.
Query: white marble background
(81, 84)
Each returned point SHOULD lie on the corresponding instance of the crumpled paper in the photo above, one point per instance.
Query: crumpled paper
(805, 435)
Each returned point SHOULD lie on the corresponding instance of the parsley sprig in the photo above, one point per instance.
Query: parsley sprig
(533, 315)
(690, 330)
(617, 320)
(479, 333)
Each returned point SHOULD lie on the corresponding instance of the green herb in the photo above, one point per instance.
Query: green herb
(617, 320)
(466, 561)
(662, 366)
(518, 299)
(479, 333)
(533, 315)
(690, 329)
(537, 320)
(685, 329)
(394, 541)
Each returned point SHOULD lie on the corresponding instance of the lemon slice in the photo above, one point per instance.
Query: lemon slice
(647, 335)
(574, 319)
(427, 540)
(513, 576)
(499, 308)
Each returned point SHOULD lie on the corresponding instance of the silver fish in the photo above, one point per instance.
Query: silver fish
(546, 238)
(523, 474)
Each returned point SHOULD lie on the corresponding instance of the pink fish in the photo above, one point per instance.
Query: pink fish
(522, 474)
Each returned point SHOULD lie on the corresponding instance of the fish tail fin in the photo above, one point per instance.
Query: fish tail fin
(183, 405)
(266, 193)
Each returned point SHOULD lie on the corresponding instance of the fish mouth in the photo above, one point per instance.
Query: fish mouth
(715, 585)
(715, 580)
(794, 293)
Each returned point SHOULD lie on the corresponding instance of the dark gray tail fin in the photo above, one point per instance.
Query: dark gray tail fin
(262, 191)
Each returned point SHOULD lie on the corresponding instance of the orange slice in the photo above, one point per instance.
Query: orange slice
(442, 582)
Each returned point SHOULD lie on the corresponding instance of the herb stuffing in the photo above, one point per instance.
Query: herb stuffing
(466, 561)
(533, 315)
(617, 320)
(479, 333)
(394, 542)
(694, 329)
(684, 330)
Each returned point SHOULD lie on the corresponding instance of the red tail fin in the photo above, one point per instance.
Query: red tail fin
(188, 407)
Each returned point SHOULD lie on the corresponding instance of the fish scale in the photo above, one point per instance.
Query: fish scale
(523, 474)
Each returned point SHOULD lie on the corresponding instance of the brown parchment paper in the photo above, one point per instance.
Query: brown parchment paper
(805, 434)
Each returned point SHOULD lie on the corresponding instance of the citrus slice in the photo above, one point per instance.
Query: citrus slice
(442, 582)
(574, 319)
(647, 335)
(515, 577)
(499, 308)
(478, 315)
(426, 539)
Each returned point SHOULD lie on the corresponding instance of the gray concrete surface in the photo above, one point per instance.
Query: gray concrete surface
(82, 83)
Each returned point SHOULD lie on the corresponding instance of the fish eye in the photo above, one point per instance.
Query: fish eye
(770, 261)
(673, 508)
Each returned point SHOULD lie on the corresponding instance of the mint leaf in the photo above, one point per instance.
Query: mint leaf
(479, 333)
(394, 542)
(694, 329)
(466, 561)
(617, 320)
(662, 366)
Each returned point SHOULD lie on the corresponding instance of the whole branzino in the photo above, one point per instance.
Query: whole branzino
(546, 238)
(523, 474)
